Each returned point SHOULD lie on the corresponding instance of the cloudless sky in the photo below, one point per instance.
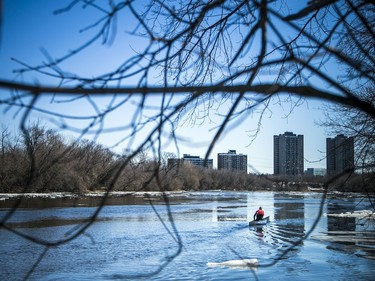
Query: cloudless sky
(29, 27)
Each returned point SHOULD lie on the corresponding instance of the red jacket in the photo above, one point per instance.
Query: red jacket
(260, 212)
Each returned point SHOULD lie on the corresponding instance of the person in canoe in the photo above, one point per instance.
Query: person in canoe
(259, 214)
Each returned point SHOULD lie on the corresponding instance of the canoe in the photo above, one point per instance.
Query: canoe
(260, 222)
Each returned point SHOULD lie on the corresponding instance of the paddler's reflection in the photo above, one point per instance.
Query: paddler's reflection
(259, 231)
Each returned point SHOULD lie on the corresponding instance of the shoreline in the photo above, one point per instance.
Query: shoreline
(101, 194)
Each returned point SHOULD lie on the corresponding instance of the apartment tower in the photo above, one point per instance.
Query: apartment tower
(288, 154)
(340, 154)
(232, 161)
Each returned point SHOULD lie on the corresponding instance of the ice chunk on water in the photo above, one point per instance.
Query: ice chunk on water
(368, 214)
(235, 263)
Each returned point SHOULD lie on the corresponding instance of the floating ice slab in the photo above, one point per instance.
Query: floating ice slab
(356, 214)
(235, 263)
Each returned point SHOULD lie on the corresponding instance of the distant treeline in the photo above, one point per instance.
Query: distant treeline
(41, 160)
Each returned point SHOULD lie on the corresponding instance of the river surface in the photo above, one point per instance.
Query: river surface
(148, 237)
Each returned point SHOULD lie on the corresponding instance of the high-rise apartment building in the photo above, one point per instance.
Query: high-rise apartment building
(232, 161)
(288, 154)
(192, 160)
(340, 154)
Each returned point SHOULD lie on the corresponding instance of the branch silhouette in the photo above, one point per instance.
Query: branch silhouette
(196, 57)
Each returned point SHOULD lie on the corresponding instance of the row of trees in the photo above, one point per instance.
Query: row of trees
(41, 160)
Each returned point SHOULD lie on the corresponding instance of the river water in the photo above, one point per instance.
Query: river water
(148, 237)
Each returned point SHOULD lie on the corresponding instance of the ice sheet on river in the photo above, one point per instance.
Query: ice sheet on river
(364, 214)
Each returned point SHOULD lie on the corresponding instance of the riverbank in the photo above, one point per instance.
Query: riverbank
(101, 194)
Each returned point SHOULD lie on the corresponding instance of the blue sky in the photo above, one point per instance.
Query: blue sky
(30, 29)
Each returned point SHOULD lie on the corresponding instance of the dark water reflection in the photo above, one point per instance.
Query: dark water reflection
(341, 223)
(137, 233)
(289, 216)
(350, 234)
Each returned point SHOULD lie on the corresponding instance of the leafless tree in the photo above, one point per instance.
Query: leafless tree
(357, 43)
(204, 54)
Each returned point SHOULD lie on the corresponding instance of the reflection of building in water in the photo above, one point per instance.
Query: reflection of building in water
(222, 211)
(343, 231)
(231, 218)
(336, 223)
(290, 216)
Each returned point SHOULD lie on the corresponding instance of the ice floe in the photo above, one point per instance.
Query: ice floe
(235, 263)
(368, 214)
